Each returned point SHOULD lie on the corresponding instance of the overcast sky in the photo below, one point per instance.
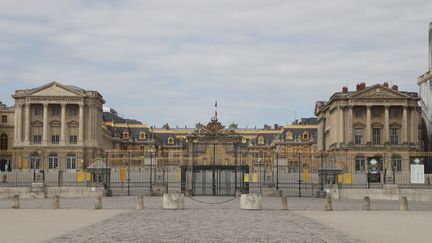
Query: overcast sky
(161, 61)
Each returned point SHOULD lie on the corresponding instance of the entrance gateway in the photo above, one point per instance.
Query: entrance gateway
(215, 180)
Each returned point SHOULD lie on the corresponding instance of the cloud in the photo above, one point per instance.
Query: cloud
(167, 61)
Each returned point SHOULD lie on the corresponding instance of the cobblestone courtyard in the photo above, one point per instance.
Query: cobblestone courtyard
(225, 222)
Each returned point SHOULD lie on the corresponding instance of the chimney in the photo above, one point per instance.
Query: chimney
(276, 126)
(395, 87)
(358, 87)
(386, 84)
(345, 89)
(430, 46)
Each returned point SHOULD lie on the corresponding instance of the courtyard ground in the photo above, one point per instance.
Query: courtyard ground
(77, 221)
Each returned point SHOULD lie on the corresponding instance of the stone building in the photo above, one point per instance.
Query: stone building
(425, 93)
(57, 127)
(372, 123)
(7, 117)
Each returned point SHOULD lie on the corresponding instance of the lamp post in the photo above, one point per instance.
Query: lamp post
(299, 179)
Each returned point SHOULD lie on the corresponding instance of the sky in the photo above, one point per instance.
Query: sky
(265, 62)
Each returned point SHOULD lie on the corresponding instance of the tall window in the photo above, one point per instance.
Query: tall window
(35, 161)
(73, 111)
(396, 163)
(38, 110)
(53, 161)
(55, 139)
(394, 112)
(375, 112)
(394, 136)
(37, 139)
(358, 135)
(358, 112)
(360, 163)
(376, 135)
(4, 119)
(73, 139)
(71, 162)
(3, 142)
(56, 110)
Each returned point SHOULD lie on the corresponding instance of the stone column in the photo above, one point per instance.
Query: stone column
(18, 127)
(350, 125)
(81, 124)
(386, 125)
(45, 124)
(16, 124)
(63, 124)
(413, 125)
(27, 124)
(416, 125)
(368, 125)
(341, 125)
(405, 125)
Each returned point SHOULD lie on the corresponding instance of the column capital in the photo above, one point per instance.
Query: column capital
(45, 104)
(63, 104)
(387, 106)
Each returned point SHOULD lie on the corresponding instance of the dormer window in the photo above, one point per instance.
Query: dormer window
(289, 136)
(305, 135)
(125, 135)
(142, 135)
(244, 140)
(170, 140)
(260, 140)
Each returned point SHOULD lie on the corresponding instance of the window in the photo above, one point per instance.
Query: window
(358, 135)
(142, 135)
(394, 112)
(4, 119)
(71, 162)
(52, 161)
(35, 161)
(125, 135)
(376, 135)
(73, 111)
(359, 163)
(37, 139)
(396, 163)
(55, 139)
(3, 142)
(375, 112)
(358, 112)
(305, 135)
(72, 139)
(394, 136)
(56, 110)
(170, 140)
(38, 111)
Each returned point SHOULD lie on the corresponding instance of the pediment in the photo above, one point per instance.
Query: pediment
(54, 89)
(72, 124)
(37, 123)
(378, 91)
(55, 123)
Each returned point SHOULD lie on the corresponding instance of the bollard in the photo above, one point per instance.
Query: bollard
(366, 204)
(98, 204)
(15, 202)
(173, 201)
(56, 202)
(284, 201)
(140, 203)
(328, 206)
(250, 202)
(404, 204)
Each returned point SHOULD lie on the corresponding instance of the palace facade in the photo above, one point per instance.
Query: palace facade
(62, 127)
(376, 122)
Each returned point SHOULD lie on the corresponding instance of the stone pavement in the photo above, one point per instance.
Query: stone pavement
(223, 222)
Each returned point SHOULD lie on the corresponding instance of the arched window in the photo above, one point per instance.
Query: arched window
(170, 140)
(35, 161)
(3, 142)
(71, 162)
(125, 135)
(53, 161)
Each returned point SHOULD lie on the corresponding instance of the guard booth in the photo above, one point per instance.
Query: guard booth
(100, 175)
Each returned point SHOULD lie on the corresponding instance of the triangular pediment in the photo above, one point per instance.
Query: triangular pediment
(378, 91)
(54, 89)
